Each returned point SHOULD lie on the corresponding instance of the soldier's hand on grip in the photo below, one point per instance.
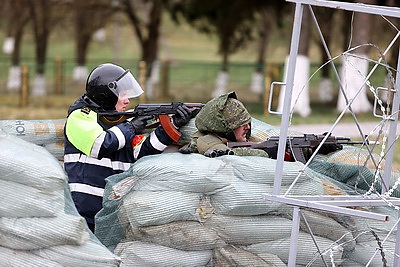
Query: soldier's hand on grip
(182, 116)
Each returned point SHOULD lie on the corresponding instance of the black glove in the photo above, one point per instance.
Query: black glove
(185, 149)
(329, 148)
(213, 153)
(182, 116)
(140, 123)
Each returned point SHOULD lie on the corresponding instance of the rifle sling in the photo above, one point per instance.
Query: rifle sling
(113, 120)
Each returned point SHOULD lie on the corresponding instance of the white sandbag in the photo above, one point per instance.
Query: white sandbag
(39, 132)
(30, 164)
(145, 208)
(18, 200)
(89, 254)
(262, 170)
(141, 254)
(262, 130)
(246, 230)
(184, 235)
(307, 252)
(350, 263)
(244, 198)
(362, 227)
(365, 250)
(20, 258)
(42, 232)
(179, 172)
(235, 256)
(324, 226)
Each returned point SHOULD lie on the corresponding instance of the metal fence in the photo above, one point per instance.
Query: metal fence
(183, 80)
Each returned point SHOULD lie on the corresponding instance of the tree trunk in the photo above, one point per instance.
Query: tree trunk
(222, 78)
(355, 67)
(40, 12)
(325, 19)
(300, 103)
(257, 85)
(20, 19)
(147, 35)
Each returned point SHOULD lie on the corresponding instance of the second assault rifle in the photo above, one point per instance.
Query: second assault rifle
(160, 112)
(299, 148)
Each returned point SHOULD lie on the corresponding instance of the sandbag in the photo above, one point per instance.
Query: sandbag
(29, 164)
(140, 254)
(243, 198)
(34, 203)
(22, 258)
(262, 170)
(171, 173)
(246, 230)
(145, 208)
(184, 235)
(89, 254)
(42, 232)
(364, 252)
(307, 253)
(235, 256)
(45, 133)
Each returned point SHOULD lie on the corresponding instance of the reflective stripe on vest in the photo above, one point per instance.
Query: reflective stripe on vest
(87, 189)
(105, 162)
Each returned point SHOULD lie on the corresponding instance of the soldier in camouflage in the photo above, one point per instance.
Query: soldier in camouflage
(223, 119)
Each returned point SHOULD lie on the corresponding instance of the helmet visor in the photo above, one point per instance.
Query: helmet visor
(126, 86)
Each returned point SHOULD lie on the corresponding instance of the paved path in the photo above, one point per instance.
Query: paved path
(341, 129)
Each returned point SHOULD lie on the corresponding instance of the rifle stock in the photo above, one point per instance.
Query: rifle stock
(160, 113)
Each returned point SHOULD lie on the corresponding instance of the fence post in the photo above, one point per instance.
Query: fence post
(165, 80)
(24, 94)
(58, 76)
(142, 80)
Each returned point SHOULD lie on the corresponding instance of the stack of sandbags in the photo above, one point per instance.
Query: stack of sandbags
(190, 210)
(39, 225)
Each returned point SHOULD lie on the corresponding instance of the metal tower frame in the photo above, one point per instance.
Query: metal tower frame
(335, 204)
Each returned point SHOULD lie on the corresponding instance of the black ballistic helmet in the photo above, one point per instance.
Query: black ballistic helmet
(107, 82)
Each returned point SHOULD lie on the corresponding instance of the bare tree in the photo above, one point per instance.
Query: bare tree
(5, 12)
(45, 14)
(89, 16)
(355, 65)
(18, 18)
(145, 17)
(231, 23)
(270, 18)
(301, 99)
(327, 22)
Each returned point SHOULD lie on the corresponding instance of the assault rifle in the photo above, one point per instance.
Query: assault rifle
(299, 148)
(160, 113)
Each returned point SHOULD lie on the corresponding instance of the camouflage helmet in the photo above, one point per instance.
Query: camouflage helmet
(235, 114)
(222, 115)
